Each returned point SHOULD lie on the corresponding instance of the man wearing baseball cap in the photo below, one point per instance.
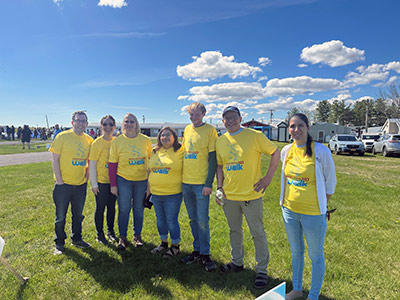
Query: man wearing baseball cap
(242, 185)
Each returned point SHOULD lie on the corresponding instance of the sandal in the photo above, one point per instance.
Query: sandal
(261, 281)
(231, 268)
(172, 251)
(163, 246)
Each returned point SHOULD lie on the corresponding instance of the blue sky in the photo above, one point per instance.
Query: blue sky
(153, 58)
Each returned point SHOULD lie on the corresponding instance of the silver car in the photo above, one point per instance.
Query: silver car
(341, 143)
(387, 144)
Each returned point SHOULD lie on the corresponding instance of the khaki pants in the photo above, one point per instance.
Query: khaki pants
(253, 212)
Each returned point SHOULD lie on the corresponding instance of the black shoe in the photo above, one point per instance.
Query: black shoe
(208, 264)
(195, 256)
(59, 250)
(102, 240)
(80, 244)
(122, 243)
(137, 241)
(111, 236)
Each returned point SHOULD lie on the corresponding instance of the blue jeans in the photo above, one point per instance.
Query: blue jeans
(167, 209)
(314, 229)
(104, 199)
(130, 196)
(62, 196)
(197, 208)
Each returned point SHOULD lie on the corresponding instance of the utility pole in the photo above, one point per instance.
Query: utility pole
(366, 116)
(271, 114)
(144, 119)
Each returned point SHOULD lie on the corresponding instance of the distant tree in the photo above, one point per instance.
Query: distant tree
(336, 112)
(392, 94)
(322, 111)
(347, 117)
(380, 112)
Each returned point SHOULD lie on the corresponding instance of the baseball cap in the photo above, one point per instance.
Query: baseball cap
(231, 108)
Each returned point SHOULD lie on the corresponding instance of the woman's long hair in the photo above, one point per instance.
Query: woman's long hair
(304, 118)
(159, 145)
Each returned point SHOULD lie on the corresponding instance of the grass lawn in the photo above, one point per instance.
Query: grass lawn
(16, 147)
(362, 245)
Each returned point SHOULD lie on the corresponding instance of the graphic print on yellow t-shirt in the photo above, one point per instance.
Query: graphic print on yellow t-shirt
(100, 152)
(197, 143)
(240, 157)
(132, 155)
(300, 186)
(166, 171)
(74, 151)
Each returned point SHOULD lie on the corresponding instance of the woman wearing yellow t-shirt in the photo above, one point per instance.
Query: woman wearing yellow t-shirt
(127, 168)
(100, 181)
(308, 180)
(165, 185)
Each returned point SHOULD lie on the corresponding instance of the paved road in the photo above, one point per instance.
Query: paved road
(24, 158)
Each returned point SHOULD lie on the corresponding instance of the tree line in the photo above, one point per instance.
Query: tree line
(337, 111)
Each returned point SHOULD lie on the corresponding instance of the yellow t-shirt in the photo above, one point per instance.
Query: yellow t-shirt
(197, 143)
(240, 156)
(100, 152)
(166, 171)
(74, 151)
(132, 155)
(300, 190)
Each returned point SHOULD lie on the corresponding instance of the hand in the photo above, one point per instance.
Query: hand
(114, 190)
(262, 184)
(59, 182)
(219, 201)
(95, 190)
(207, 191)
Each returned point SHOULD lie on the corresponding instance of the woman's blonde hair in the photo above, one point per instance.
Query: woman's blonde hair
(135, 119)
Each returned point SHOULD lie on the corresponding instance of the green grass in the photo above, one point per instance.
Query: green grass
(362, 244)
(16, 147)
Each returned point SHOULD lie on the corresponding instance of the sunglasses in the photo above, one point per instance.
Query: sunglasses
(130, 122)
(108, 124)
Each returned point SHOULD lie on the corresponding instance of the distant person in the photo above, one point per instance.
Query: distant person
(8, 132)
(100, 181)
(91, 132)
(129, 154)
(165, 185)
(57, 130)
(242, 186)
(19, 130)
(12, 131)
(70, 151)
(308, 181)
(26, 134)
(199, 165)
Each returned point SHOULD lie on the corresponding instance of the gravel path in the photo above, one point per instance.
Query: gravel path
(24, 158)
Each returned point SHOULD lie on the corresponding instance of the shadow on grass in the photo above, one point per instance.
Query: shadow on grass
(139, 267)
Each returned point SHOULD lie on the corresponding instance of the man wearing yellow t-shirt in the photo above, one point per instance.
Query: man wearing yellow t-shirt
(70, 151)
(242, 186)
(199, 164)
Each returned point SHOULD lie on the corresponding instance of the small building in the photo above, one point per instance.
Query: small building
(322, 132)
(264, 128)
(283, 133)
(391, 126)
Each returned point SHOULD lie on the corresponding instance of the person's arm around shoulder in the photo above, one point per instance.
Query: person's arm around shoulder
(328, 168)
(264, 182)
(55, 162)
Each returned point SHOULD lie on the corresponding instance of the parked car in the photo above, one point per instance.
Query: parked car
(388, 144)
(341, 143)
(368, 141)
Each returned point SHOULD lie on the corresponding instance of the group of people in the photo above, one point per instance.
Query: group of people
(127, 169)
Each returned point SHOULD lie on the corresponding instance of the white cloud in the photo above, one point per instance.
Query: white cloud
(394, 65)
(112, 3)
(286, 104)
(366, 74)
(232, 91)
(264, 61)
(212, 64)
(300, 85)
(262, 78)
(332, 53)
(58, 2)
(302, 65)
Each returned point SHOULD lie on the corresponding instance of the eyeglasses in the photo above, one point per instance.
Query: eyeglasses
(108, 124)
(80, 121)
(233, 118)
(129, 122)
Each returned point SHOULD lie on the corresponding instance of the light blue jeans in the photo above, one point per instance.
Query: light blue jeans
(314, 229)
(130, 196)
(197, 208)
(167, 209)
